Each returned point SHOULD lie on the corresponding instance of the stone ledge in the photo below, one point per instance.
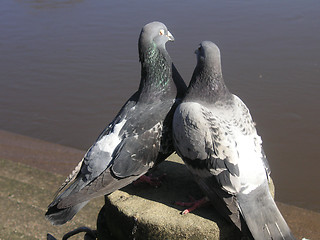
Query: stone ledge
(143, 212)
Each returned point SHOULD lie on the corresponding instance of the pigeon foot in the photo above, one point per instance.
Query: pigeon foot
(152, 181)
(193, 204)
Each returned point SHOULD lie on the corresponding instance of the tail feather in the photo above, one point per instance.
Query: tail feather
(262, 215)
(59, 213)
(59, 216)
(70, 178)
(79, 193)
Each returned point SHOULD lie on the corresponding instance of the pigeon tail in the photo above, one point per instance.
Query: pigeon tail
(262, 215)
(59, 216)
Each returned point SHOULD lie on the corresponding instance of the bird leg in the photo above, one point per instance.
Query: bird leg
(151, 180)
(193, 204)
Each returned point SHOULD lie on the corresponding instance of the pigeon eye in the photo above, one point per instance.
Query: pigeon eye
(161, 32)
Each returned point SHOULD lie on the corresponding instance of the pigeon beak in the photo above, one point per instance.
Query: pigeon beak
(169, 35)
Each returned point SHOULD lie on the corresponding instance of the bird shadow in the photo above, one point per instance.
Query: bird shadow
(178, 185)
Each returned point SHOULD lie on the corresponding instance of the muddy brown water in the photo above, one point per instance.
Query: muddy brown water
(67, 66)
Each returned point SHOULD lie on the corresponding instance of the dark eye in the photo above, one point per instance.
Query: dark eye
(161, 32)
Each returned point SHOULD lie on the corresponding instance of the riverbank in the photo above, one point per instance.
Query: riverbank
(32, 170)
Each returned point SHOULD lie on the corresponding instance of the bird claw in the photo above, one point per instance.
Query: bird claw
(152, 181)
(186, 211)
(193, 204)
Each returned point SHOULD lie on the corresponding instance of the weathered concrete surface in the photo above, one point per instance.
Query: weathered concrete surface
(25, 193)
(142, 212)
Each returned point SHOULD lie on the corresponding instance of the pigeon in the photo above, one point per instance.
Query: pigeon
(138, 138)
(214, 134)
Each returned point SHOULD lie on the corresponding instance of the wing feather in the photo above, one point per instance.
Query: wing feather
(212, 142)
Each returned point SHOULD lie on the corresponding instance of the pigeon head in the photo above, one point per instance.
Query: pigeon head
(208, 56)
(154, 35)
(155, 32)
(156, 64)
(207, 82)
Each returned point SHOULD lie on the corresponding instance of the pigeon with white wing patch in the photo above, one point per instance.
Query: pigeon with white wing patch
(214, 134)
(136, 140)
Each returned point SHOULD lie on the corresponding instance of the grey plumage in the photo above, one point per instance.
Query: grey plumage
(214, 134)
(136, 140)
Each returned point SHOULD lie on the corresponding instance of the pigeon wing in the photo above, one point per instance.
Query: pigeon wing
(207, 144)
(138, 152)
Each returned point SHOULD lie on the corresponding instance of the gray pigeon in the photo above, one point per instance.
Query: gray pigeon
(214, 134)
(139, 137)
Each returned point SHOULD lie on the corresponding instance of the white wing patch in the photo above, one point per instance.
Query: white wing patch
(156, 128)
(109, 142)
(251, 168)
